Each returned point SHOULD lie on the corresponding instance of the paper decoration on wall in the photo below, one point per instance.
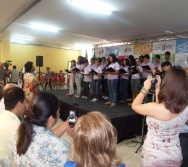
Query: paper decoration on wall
(162, 47)
(144, 48)
(126, 50)
(113, 49)
(182, 46)
(100, 52)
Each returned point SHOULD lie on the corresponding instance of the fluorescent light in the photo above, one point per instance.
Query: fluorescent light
(95, 6)
(44, 27)
(21, 40)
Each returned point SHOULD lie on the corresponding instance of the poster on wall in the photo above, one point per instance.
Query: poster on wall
(162, 47)
(113, 49)
(182, 46)
(125, 51)
(162, 57)
(100, 52)
(143, 48)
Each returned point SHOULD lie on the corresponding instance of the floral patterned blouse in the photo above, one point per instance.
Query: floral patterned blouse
(30, 89)
(162, 146)
(45, 150)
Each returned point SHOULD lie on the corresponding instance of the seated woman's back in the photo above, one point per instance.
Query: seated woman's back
(35, 144)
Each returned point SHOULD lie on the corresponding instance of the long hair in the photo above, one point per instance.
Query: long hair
(174, 90)
(43, 105)
(94, 142)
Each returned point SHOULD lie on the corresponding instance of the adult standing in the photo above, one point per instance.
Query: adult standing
(14, 75)
(30, 85)
(168, 58)
(165, 118)
(3, 74)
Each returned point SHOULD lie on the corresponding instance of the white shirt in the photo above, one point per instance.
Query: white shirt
(146, 74)
(87, 70)
(9, 124)
(2, 105)
(99, 71)
(116, 67)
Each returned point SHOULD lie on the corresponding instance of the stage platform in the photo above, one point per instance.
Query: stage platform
(126, 121)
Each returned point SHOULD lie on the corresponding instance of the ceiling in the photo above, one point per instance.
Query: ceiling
(130, 19)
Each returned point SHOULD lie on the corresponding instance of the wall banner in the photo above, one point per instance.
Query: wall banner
(144, 48)
(162, 47)
(112, 49)
(100, 52)
(125, 50)
(182, 46)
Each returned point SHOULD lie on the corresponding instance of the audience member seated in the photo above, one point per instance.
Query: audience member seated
(165, 118)
(35, 144)
(94, 143)
(14, 100)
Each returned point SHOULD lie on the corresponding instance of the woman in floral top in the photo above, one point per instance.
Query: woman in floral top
(165, 118)
(29, 85)
(34, 144)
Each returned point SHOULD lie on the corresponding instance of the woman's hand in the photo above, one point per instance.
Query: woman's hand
(147, 83)
(158, 84)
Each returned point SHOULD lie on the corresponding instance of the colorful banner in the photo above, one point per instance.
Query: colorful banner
(144, 48)
(162, 47)
(113, 50)
(100, 52)
(182, 46)
(126, 50)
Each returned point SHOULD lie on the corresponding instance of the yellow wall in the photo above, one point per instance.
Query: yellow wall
(56, 59)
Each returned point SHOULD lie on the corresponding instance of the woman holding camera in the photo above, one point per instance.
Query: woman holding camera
(35, 144)
(94, 142)
(165, 118)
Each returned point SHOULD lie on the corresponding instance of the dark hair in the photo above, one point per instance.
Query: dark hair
(127, 62)
(114, 58)
(132, 59)
(103, 58)
(28, 66)
(167, 53)
(93, 59)
(166, 63)
(146, 56)
(43, 105)
(80, 60)
(85, 61)
(99, 60)
(158, 56)
(12, 96)
(14, 67)
(1, 91)
(174, 90)
(73, 61)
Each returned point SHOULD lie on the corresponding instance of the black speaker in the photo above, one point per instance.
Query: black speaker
(39, 61)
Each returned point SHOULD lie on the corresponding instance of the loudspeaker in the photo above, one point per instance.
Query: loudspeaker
(39, 61)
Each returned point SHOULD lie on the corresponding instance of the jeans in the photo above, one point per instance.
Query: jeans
(86, 88)
(78, 80)
(71, 85)
(96, 87)
(105, 87)
(184, 146)
(123, 88)
(112, 88)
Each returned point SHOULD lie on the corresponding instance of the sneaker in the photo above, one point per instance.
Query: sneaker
(108, 103)
(113, 105)
(69, 94)
(94, 100)
(83, 97)
(76, 96)
(106, 98)
(103, 97)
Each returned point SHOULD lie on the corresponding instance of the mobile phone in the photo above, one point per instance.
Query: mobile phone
(72, 118)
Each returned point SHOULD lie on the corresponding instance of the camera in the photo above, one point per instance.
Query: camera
(7, 64)
(153, 83)
(72, 118)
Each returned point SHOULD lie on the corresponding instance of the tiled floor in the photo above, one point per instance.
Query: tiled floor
(126, 150)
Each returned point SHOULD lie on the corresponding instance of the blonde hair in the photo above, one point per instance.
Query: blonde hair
(94, 142)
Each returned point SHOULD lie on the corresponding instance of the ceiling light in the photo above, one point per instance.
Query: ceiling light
(21, 40)
(44, 27)
(95, 6)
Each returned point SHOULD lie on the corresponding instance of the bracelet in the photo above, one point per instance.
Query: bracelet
(144, 91)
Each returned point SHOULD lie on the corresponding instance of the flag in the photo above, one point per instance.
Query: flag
(86, 55)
